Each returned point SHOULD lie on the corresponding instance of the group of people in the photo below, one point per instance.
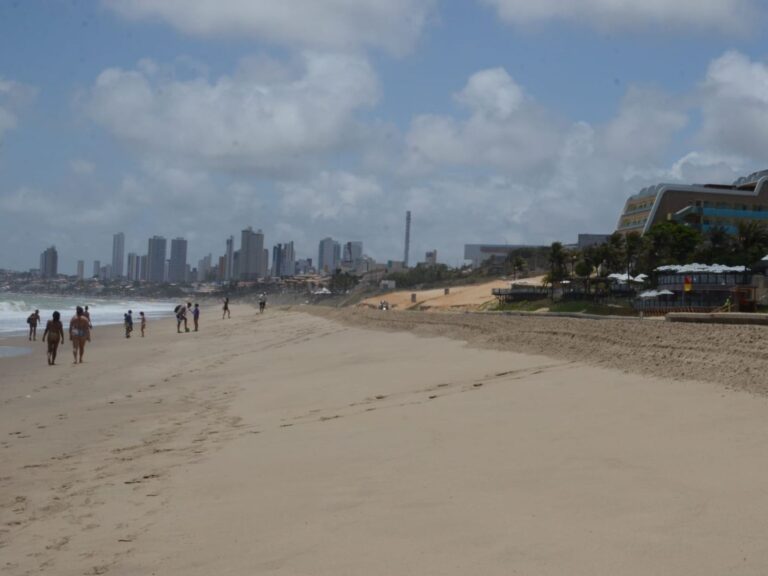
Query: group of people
(128, 323)
(182, 314)
(79, 333)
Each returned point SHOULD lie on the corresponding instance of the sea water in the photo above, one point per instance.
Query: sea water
(16, 308)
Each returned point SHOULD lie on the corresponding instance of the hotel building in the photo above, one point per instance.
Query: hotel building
(702, 207)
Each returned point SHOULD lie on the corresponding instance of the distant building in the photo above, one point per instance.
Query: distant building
(589, 240)
(229, 259)
(328, 257)
(80, 269)
(177, 266)
(479, 253)
(105, 273)
(132, 270)
(156, 251)
(143, 267)
(430, 259)
(353, 253)
(252, 263)
(96, 268)
(283, 260)
(702, 207)
(304, 266)
(49, 263)
(204, 268)
(118, 250)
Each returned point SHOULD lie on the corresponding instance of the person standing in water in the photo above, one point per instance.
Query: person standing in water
(54, 332)
(143, 323)
(79, 333)
(226, 312)
(33, 321)
(196, 315)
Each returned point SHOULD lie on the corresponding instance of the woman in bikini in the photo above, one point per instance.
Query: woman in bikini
(54, 332)
(79, 333)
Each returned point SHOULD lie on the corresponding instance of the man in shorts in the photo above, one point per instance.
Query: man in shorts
(79, 333)
(33, 321)
(128, 321)
(54, 332)
(226, 312)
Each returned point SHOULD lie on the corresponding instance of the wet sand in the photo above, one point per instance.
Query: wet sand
(291, 443)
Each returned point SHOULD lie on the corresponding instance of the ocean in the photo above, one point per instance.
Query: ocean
(16, 308)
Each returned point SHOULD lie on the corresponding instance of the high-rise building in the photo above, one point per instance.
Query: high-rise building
(328, 256)
(96, 268)
(204, 268)
(156, 259)
(288, 260)
(118, 250)
(143, 267)
(49, 263)
(253, 262)
(303, 266)
(407, 237)
(132, 270)
(353, 253)
(277, 260)
(229, 259)
(177, 268)
(431, 258)
(80, 269)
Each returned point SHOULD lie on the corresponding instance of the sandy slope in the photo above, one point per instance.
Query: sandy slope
(294, 444)
(467, 297)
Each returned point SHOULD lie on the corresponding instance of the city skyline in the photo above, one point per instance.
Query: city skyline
(491, 120)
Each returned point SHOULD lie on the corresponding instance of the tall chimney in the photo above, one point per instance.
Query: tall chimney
(407, 237)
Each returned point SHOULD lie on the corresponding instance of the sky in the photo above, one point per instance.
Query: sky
(494, 121)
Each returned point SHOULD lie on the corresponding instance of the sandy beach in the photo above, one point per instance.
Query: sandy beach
(361, 442)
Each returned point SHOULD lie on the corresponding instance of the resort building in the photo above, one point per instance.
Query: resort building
(703, 207)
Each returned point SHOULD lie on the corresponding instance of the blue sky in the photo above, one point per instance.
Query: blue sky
(492, 120)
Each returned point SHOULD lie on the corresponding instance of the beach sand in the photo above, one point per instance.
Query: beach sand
(343, 443)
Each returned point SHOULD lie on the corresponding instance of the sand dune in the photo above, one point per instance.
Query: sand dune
(297, 444)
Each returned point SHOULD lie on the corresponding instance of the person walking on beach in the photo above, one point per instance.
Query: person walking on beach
(87, 314)
(54, 333)
(33, 321)
(262, 302)
(196, 315)
(143, 323)
(226, 312)
(79, 333)
(128, 323)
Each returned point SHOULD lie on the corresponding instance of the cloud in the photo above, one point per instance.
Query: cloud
(646, 122)
(734, 107)
(713, 15)
(394, 25)
(82, 167)
(504, 130)
(261, 119)
(14, 97)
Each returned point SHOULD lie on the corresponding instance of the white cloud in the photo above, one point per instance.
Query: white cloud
(393, 25)
(734, 107)
(715, 15)
(249, 121)
(505, 130)
(646, 122)
(14, 96)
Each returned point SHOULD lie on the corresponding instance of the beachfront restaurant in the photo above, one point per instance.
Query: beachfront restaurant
(698, 288)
